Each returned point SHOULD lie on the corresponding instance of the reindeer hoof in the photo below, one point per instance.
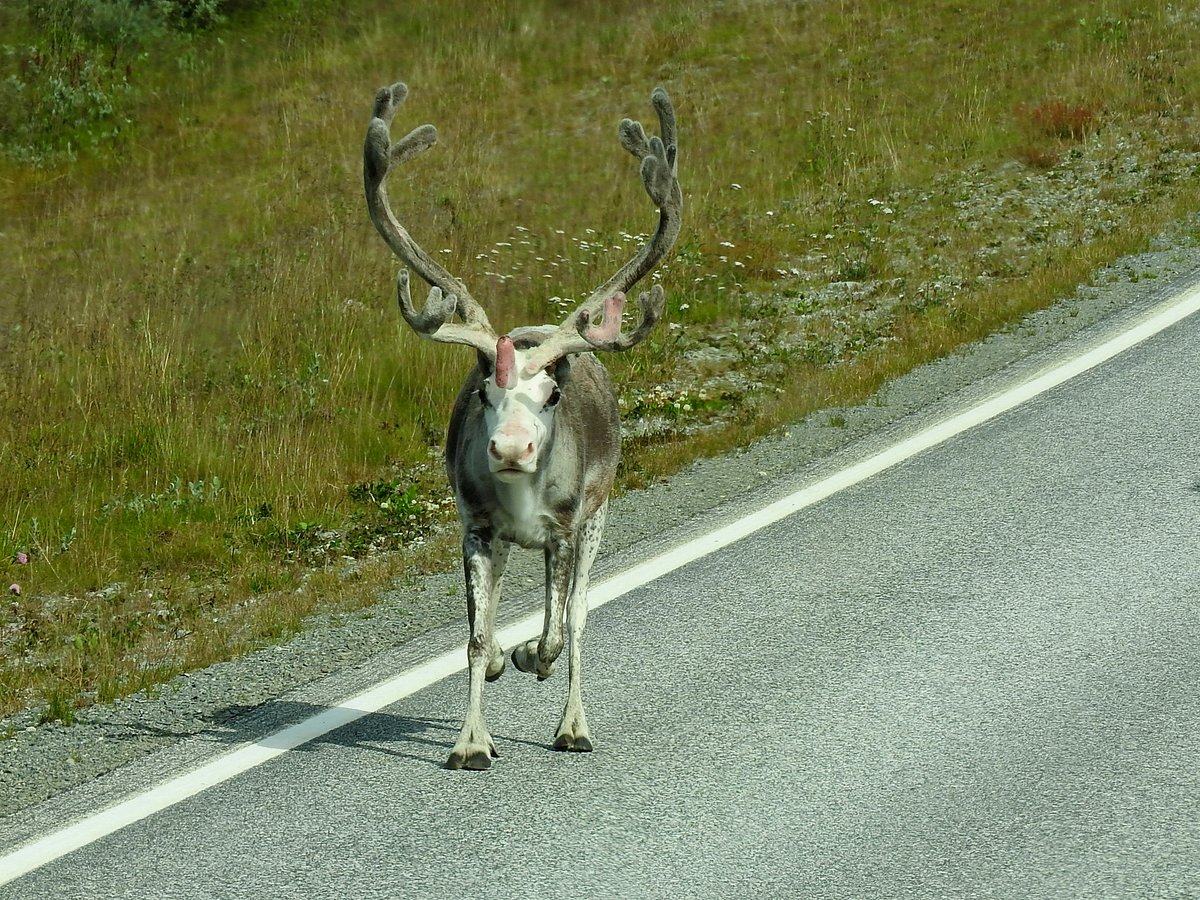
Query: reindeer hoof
(478, 761)
(474, 750)
(525, 658)
(475, 759)
(574, 743)
(495, 669)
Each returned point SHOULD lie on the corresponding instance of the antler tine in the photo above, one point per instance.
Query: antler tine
(433, 321)
(659, 169)
(608, 336)
(448, 294)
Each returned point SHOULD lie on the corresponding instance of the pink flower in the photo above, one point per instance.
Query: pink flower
(22, 557)
(13, 588)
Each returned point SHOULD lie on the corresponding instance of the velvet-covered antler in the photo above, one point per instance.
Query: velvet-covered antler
(447, 294)
(596, 323)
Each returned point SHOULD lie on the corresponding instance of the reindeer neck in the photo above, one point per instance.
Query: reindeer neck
(522, 514)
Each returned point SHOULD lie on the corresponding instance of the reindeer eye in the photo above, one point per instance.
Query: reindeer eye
(555, 396)
(483, 398)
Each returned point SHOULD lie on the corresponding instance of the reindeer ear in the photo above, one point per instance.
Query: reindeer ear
(560, 371)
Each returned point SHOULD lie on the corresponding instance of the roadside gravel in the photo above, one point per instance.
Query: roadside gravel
(229, 702)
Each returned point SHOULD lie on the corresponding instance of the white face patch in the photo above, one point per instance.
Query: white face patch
(519, 420)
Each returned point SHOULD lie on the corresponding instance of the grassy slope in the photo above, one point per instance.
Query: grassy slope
(205, 388)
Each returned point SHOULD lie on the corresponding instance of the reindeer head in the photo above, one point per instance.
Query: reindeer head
(525, 371)
(528, 374)
(518, 409)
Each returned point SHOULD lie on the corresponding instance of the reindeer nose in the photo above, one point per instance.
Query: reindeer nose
(502, 454)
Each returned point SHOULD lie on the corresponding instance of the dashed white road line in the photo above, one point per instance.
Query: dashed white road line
(91, 828)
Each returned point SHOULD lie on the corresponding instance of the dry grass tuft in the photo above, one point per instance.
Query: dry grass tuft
(1055, 119)
(1048, 128)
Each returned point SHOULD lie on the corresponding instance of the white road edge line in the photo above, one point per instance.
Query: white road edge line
(107, 821)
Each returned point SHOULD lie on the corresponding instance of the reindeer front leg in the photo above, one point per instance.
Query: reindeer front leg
(500, 551)
(538, 656)
(474, 748)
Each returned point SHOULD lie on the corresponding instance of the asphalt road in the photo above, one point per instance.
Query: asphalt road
(976, 674)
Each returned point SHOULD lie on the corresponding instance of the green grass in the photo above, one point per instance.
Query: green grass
(206, 390)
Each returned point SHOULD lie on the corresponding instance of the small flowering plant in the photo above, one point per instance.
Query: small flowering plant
(21, 558)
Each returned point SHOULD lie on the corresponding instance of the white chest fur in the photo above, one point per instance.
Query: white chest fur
(521, 512)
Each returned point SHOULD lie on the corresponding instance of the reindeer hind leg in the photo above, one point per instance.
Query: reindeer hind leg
(573, 733)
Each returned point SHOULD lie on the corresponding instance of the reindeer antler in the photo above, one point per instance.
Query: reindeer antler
(596, 323)
(447, 294)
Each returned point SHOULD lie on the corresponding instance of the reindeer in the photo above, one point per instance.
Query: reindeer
(534, 437)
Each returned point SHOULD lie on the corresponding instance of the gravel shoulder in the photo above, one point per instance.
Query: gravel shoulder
(48, 772)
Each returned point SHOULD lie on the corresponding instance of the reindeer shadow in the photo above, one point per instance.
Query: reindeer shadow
(420, 739)
(379, 732)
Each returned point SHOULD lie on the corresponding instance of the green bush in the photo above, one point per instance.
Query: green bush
(70, 85)
(51, 106)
